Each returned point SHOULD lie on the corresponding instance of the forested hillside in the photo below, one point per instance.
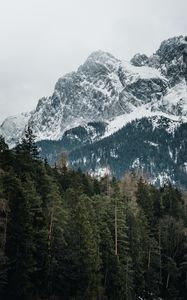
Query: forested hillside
(67, 236)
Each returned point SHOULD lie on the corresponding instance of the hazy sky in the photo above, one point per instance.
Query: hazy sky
(40, 40)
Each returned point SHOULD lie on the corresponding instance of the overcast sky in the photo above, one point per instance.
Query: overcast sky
(40, 40)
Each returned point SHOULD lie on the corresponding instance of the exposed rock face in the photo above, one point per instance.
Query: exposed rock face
(140, 60)
(185, 58)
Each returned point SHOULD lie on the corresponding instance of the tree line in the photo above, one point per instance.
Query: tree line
(65, 235)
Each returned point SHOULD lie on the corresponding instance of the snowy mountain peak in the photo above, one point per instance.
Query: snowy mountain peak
(104, 88)
(100, 55)
(168, 59)
(99, 61)
(13, 127)
(171, 49)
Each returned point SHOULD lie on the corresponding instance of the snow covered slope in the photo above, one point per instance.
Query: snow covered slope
(141, 112)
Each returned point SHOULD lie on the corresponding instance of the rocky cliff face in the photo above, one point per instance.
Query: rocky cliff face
(101, 89)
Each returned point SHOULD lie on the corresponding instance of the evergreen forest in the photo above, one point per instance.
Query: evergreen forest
(65, 235)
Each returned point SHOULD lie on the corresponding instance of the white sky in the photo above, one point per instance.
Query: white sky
(41, 40)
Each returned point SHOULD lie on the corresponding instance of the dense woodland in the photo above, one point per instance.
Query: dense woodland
(158, 150)
(67, 236)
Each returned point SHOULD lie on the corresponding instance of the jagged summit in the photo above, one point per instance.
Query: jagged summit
(171, 49)
(100, 55)
(99, 61)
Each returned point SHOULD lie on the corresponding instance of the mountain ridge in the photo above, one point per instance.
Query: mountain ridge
(109, 94)
(119, 85)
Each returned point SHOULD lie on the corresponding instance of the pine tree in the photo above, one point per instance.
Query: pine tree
(172, 200)
(3, 237)
(51, 239)
(56, 220)
(144, 199)
(82, 261)
(183, 269)
(19, 243)
(39, 237)
(3, 145)
(172, 241)
(102, 205)
(121, 280)
(27, 149)
(5, 155)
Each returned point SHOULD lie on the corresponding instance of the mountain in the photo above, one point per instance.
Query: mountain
(13, 128)
(107, 108)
